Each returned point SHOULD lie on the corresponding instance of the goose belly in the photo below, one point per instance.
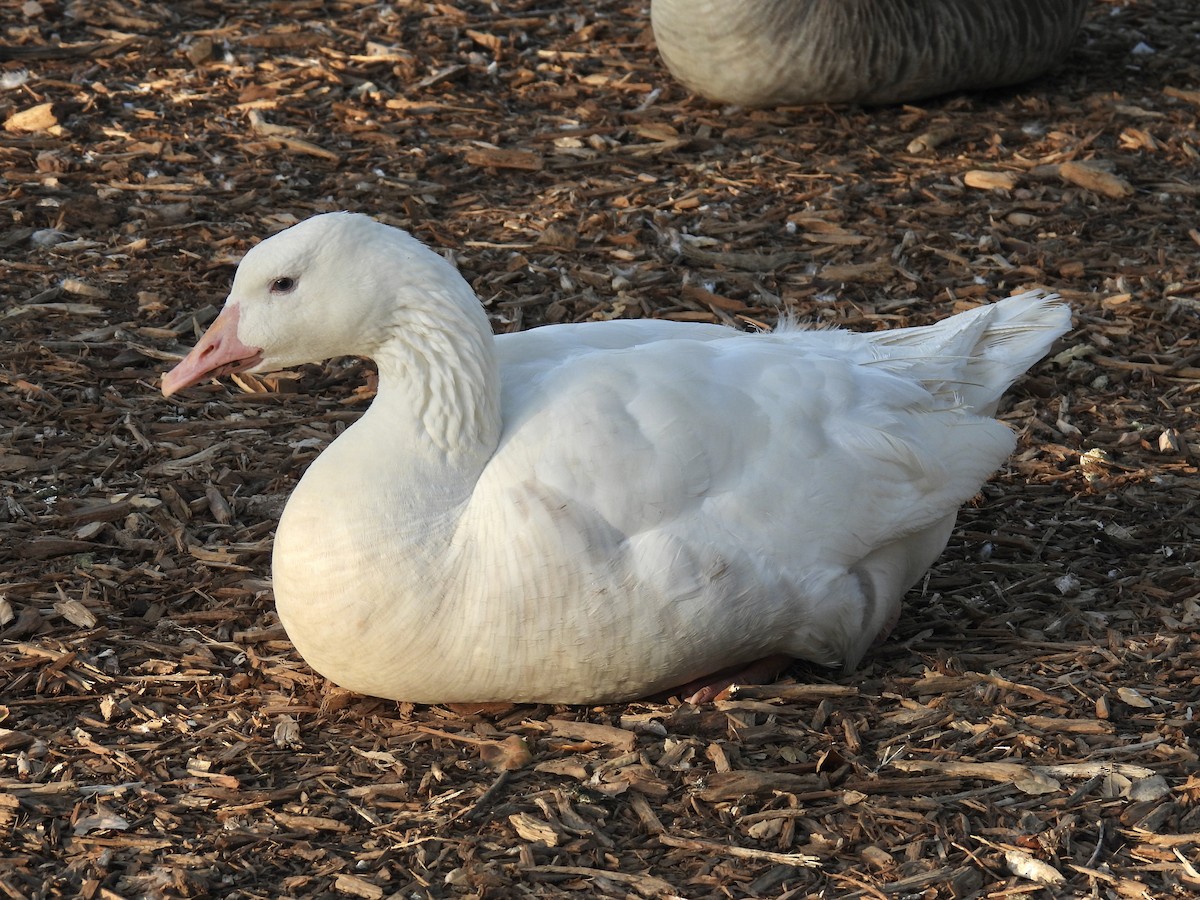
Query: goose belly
(498, 610)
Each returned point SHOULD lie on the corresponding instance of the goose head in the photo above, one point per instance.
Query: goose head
(341, 284)
(337, 284)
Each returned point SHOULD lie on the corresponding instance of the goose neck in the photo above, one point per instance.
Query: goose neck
(442, 375)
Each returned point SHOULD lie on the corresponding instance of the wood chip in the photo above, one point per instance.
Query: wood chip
(800, 860)
(81, 288)
(531, 828)
(1025, 778)
(793, 691)
(357, 887)
(496, 158)
(1094, 178)
(930, 140)
(32, 119)
(589, 731)
(1025, 866)
(990, 181)
(1132, 697)
(646, 885)
(736, 784)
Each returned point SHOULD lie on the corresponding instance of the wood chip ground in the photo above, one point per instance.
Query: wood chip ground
(1028, 732)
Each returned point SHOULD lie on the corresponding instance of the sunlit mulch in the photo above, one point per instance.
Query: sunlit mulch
(1028, 731)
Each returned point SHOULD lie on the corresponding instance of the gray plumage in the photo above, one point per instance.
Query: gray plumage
(778, 52)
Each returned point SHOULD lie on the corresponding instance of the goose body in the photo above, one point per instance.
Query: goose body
(772, 52)
(601, 511)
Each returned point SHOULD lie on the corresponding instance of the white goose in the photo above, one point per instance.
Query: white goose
(598, 512)
(768, 52)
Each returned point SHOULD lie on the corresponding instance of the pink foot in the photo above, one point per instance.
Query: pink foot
(709, 688)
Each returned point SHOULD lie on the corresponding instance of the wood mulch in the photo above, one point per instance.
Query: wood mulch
(1030, 729)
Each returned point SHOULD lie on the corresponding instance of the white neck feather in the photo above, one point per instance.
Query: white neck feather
(440, 372)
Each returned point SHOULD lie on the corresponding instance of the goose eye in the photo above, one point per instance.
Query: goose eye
(283, 285)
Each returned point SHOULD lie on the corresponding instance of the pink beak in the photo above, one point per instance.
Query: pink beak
(219, 352)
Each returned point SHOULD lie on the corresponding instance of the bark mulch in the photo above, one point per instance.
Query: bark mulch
(1030, 729)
